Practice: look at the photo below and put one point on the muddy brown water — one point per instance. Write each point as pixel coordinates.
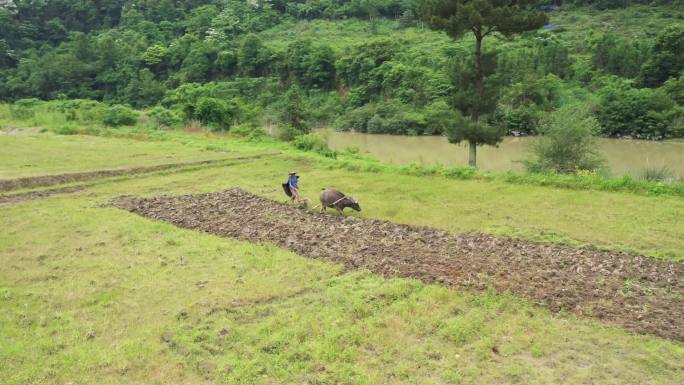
(624, 157)
(641, 294)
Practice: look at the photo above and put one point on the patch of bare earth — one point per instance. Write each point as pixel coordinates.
(27, 196)
(642, 294)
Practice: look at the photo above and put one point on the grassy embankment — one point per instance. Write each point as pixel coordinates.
(93, 294)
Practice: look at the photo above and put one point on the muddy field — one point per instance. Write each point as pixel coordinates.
(49, 180)
(641, 294)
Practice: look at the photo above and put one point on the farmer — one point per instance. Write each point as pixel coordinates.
(293, 184)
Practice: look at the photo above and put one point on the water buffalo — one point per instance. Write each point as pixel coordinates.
(337, 200)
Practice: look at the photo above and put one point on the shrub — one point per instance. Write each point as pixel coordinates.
(312, 142)
(163, 117)
(80, 109)
(213, 112)
(675, 88)
(568, 142)
(657, 174)
(638, 113)
(248, 131)
(119, 115)
(356, 119)
(24, 108)
(389, 117)
(287, 133)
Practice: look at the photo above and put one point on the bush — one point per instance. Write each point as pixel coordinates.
(287, 133)
(636, 113)
(163, 117)
(248, 131)
(568, 142)
(213, 112)
(389, 117)
(356, 119)
(657, 174)
(119, 115)
(312, 142)
(81, 109)
(75, 130)
(24, 108)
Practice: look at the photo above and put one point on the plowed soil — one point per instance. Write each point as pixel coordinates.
(641, 294)
(48, 180)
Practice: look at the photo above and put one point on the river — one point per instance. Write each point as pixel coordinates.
(623, 156)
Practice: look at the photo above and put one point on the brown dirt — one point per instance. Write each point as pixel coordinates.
(642, 294)
(48, 180)
(20, 197)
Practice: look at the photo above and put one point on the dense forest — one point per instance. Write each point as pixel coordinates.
(365, 65)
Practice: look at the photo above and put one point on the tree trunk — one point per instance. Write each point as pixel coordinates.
(472, 159)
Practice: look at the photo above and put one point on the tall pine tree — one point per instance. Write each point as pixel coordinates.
(481, 18)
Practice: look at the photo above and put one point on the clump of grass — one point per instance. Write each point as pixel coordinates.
(657, 174)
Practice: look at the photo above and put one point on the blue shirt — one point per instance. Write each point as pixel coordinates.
(292, 181)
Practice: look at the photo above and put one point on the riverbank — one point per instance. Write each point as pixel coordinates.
(623, 156)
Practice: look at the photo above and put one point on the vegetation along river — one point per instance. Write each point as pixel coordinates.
(623, 156)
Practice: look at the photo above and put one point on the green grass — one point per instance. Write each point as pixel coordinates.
(616, 221)
(92, 294)
(87, 153)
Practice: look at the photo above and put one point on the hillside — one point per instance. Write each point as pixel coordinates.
(373, 68)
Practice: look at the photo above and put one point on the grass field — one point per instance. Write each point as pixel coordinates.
(88, 153)
(92, 294)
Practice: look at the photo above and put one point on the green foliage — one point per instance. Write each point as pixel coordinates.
(541, 55)
(457, 17)
(119, 115)
(620, 56)
(292, 111)
(164, 117)
(394, 117)
(675, 89)
(81, 110)
(344, 56)
(477, 87)
(287, 133)
(476, 91)
(638, 113)
(155, 55)
(568, 142)
(253, 57)
(475, 133)
(309, 65)
(667, 57)
(524, 104)
(23, 109)
(212, 112)
(313, 142)
(248, 131)
(440, 118)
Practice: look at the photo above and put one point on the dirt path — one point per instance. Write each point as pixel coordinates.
(20, 197)
(642, 294)
(48, 180)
